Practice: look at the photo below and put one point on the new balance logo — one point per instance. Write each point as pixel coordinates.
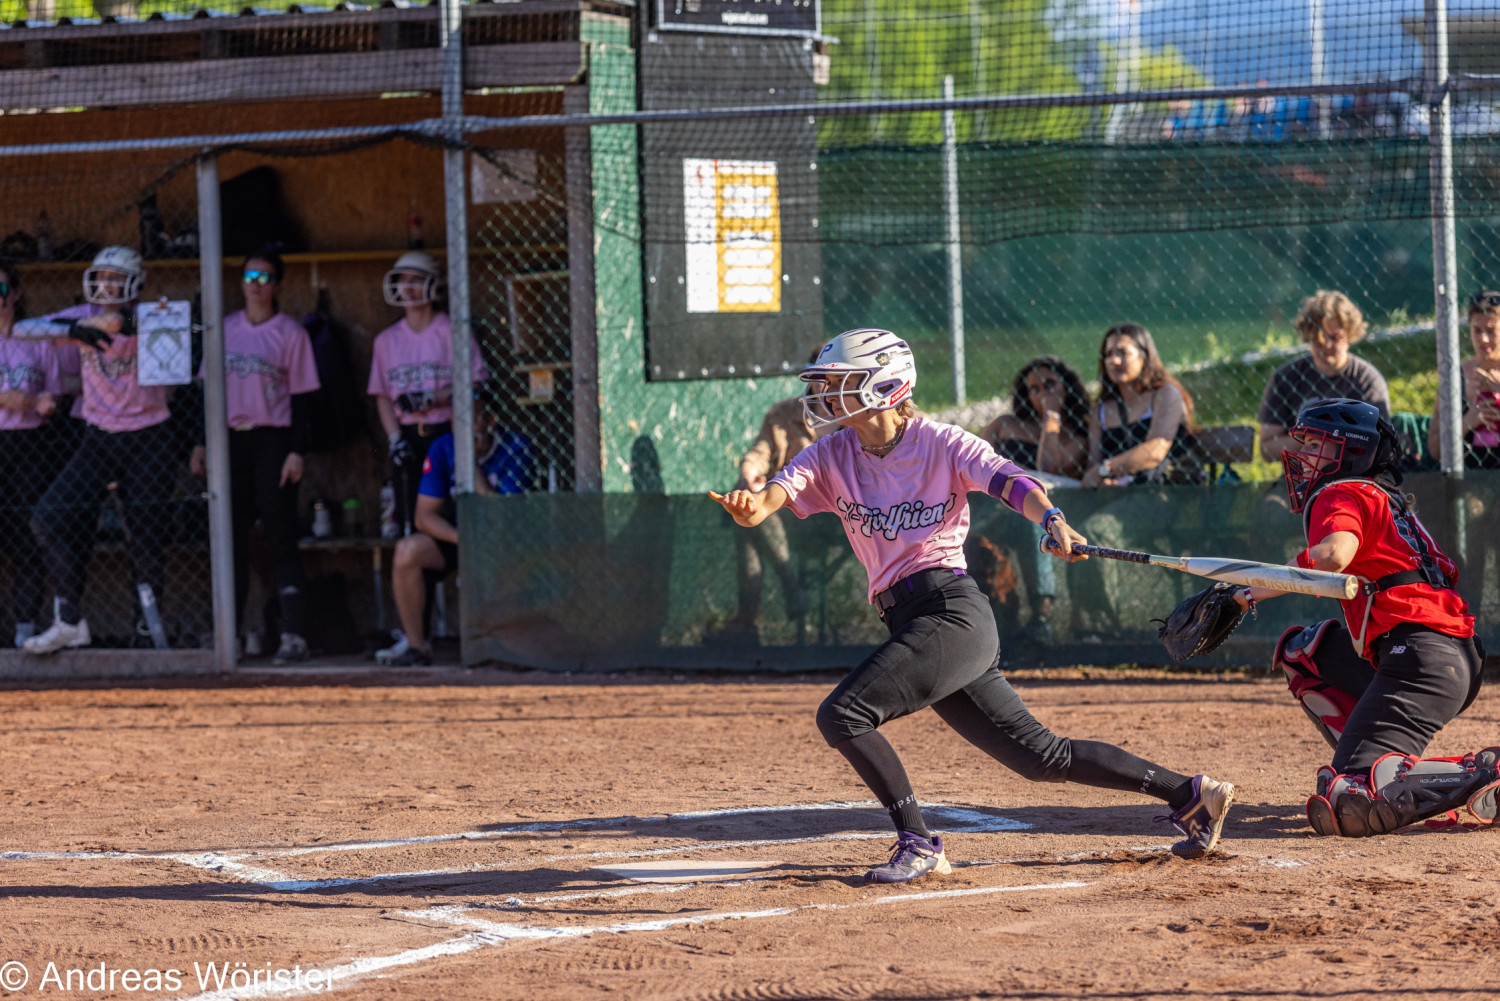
(1399, 649)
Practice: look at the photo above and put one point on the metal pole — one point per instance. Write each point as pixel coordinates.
(216, 412)
(455, 197)
(955, 247)
(1444, 248)
(1319, 67)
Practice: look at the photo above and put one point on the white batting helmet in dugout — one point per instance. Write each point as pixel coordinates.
(413, 281)
(873, 365)
(114, 278)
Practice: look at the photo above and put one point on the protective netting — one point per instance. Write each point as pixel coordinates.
(564, 603)
(640, 291)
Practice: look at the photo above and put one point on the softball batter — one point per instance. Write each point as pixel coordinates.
(900, 483)
(1414, 662)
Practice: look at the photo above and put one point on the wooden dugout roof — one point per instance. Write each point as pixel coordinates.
(258, 56)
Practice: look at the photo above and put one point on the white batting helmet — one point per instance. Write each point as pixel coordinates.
(871, 364)
(413, 281)
(114, 278)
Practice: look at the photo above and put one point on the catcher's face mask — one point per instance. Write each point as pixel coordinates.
(1320, 455)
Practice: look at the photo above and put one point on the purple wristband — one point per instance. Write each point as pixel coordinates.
(1012, 488)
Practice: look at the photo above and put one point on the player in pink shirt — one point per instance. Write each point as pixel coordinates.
(29, 385)
(411, 374)
(268, 365)
(126, 441)
(900, 484)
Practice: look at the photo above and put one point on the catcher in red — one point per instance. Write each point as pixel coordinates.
(1408, 661)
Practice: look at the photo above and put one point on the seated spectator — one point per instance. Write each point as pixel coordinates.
(1047, 428)
(1329, 323)
(784, 433)
(1481, 388)
(503, 465)
(1138, 431)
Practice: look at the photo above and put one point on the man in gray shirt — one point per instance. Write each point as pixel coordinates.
(1328, 323)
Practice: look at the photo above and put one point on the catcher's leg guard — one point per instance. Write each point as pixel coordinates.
(1402, 789)
(1298, 653)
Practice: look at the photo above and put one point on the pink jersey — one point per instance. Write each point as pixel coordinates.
(26, 366)
(112, 398)
(265, 365)
(906, 512)
(408, 361)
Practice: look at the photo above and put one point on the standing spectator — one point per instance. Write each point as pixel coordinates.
(1142, 417)
(1047, 428)
(1481, 382)
(1329, 323)
(268, 365)
(29, 384)
(411, 374)
(504, 465)
(126, 442)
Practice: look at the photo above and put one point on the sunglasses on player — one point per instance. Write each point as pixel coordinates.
(1485, 300)
(258, 278)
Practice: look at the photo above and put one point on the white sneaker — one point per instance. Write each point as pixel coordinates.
(393, 651)
(59, 636)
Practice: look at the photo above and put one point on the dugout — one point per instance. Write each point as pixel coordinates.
(344, 208)
(566, 231)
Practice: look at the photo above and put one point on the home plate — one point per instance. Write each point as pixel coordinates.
(686, 871)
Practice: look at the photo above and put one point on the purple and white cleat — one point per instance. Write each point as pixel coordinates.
(913, 857)
(1202, 819)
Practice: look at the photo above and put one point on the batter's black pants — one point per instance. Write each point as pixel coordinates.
(1425, 679)
(944, 652)
(255, 460)
(406, 477)
(143, 465)
(24, 476)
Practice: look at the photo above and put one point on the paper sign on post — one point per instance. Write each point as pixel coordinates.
(164, 346)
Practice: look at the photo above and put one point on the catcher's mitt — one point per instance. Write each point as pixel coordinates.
(1201, 623)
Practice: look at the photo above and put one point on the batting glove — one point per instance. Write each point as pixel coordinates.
(88, 336)
(400, 450)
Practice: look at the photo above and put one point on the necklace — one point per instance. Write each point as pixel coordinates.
(883, 450)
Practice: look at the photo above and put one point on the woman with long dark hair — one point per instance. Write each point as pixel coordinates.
(1142, 416)
(1047, 428)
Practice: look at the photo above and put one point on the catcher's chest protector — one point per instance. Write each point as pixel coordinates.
(1305, 655)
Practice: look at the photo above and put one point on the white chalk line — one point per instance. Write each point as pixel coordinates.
(491, 933)
(962, 819)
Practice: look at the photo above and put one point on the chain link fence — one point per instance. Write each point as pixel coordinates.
(1199, 169)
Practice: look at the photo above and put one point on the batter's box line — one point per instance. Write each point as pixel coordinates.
(493, 933)
(961, 819)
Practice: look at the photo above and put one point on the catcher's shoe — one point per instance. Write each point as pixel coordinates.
(913, 857)
(1202, 819)
(59, 636)
(1484, 804)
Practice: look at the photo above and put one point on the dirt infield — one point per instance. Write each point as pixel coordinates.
(443, 839)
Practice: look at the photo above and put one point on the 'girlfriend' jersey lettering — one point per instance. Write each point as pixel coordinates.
(23, 377)
(889, 523)
(419, 375)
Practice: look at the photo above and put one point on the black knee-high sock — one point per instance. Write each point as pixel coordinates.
(1109, 767)
(875, 760)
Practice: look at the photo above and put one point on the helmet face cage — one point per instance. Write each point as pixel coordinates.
(824, 387)
(114, 278)
(405, 287)
(873, 366)
(1304, 470)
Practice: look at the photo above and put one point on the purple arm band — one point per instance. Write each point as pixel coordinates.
(1011, 486)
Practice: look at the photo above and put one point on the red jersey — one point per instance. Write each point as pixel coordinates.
(1386, 546)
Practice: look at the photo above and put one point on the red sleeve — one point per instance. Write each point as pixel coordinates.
(1338, 511)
